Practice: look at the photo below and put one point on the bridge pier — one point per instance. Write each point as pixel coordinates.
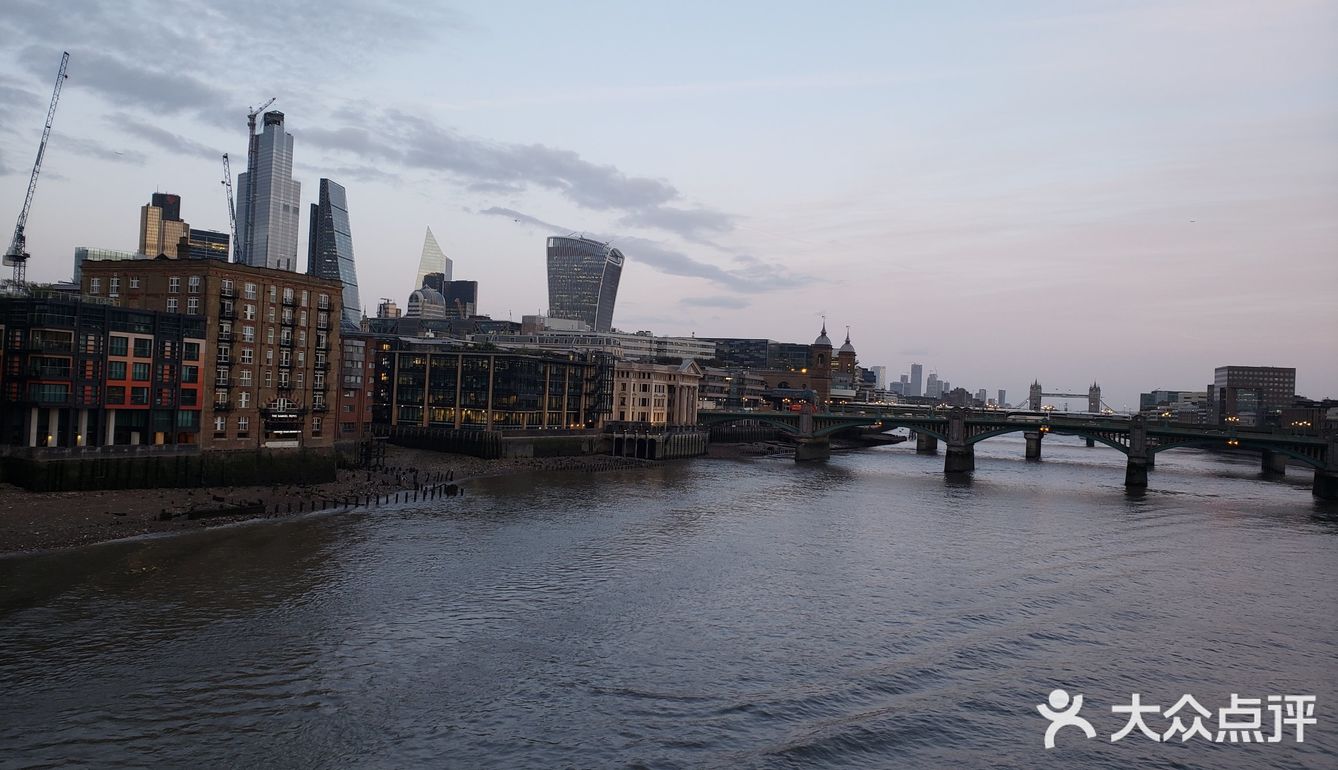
(1326, 485)
(1136, 474)
(960, 458)
(926, 444)
(1033, 438)
(1273, 463)
(812, 450)
(1091, 442)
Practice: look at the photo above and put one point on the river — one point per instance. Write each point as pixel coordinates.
(864, 612)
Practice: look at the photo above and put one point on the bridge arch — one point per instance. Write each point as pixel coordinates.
(885, 424)
(786, 426)
(1028, 429)
(1244, 444)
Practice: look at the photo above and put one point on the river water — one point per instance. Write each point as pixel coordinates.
(757, 613)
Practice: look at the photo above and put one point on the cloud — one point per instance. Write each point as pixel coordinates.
(17, 97)
(733, 303)
(758, 277)
(689, 223)
(163, 139)
(128, 83)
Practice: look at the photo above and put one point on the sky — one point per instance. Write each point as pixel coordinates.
(1131, 193)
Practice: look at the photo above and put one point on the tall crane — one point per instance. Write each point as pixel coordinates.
(252, 160)
(17, 254)
(232, 210)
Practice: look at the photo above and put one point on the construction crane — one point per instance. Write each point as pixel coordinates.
(232, 210)
(17, 254)
(252, 159)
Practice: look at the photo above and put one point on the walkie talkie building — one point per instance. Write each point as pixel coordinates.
(583, 281)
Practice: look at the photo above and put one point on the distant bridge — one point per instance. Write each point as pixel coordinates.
(961, 429)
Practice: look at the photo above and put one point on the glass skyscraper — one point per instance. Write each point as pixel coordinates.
(583, 281)
(271, 240)
(330, 246)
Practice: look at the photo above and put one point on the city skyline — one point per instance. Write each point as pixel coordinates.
(1100, 230)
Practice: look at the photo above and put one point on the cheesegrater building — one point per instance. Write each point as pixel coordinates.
(583, 281)
(330, 247)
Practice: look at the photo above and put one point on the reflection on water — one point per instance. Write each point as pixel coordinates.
(866, 612)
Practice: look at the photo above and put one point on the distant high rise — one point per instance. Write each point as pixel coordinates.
(1002, 400)
(583, 280)
(933, 388)
(271, 240)
(433, 260)
(207, 244)
(160, 226)
(462, 298)
(916, 372)
(980, 395)
(880, 376)
(330, 246)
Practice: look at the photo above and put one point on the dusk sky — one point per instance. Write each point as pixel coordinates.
(1132, 193)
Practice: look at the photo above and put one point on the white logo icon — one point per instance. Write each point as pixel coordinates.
(1063, 712)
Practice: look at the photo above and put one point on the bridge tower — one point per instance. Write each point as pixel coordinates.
(1035, 396)
(820, 367)
(1094, 399)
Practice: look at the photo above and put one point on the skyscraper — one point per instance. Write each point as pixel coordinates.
(207, 244)
(917, 371)
(271, 239)
(160, 226)
(330, 246)
(583, 280)
(933, 388)
(432, 260)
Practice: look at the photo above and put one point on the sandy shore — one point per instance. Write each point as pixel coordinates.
(42, 521)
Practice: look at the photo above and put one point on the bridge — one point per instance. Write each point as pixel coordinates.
(1139, 439)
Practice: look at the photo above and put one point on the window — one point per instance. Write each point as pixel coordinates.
(227, 287)
(189, 396)
(118, 346)
(143, 348)
(269, 335)
(139, 396)
(269, 378)
(249, 312)
(269, 356)
(273, 293)
(140, 373)
(192, 351)
(347, 427)
(190, 374)
(193, 306)
(94, 285)
(116, 371)
(245, 378)
(115, 394)
(302, 318)
(248, 355)
(269, 315)
(316, 426)
(287, 296)
(113, 286)
(134, 282)
(243, 426)
(174, 285)
(193, 284)
(248, 334)
(250, 291)
(244, 399)
(171, 304)
(305, 295)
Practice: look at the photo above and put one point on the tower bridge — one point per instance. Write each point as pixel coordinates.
(1139, 439)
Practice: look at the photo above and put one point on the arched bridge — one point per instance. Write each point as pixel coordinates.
(961, 429)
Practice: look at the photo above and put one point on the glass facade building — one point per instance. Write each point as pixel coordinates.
(208, 244)
(270, 240)
(330, 247)
(583, 280)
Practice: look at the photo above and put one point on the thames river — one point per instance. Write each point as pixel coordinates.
(862, 613)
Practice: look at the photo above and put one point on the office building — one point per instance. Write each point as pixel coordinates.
(879, 376)
(330, 247)
(267, 225)
(272, 339)
(642, 346)
(462, 299)
(444, 383)
(1251, 395)
(432, 260)
(1002, 397)
(83, 254)
(161, 230)
(916, 372)
(583, 280)
(933, 388)
(208, 244)
(656, 395)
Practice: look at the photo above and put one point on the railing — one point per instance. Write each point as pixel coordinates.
(222, 406)
(290, 301)
(227, 291)
(225, 336)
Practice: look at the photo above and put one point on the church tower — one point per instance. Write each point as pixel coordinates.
(845, 363)
(820, 367)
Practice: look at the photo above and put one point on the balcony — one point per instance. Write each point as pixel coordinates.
(289, 302)
(285, 342)
(285, 364)
(228, 313)
(285, 385)
(287, 321)
(320, 406)
(225, 336)
(227, 291)
(224, 384)
(222, 406)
